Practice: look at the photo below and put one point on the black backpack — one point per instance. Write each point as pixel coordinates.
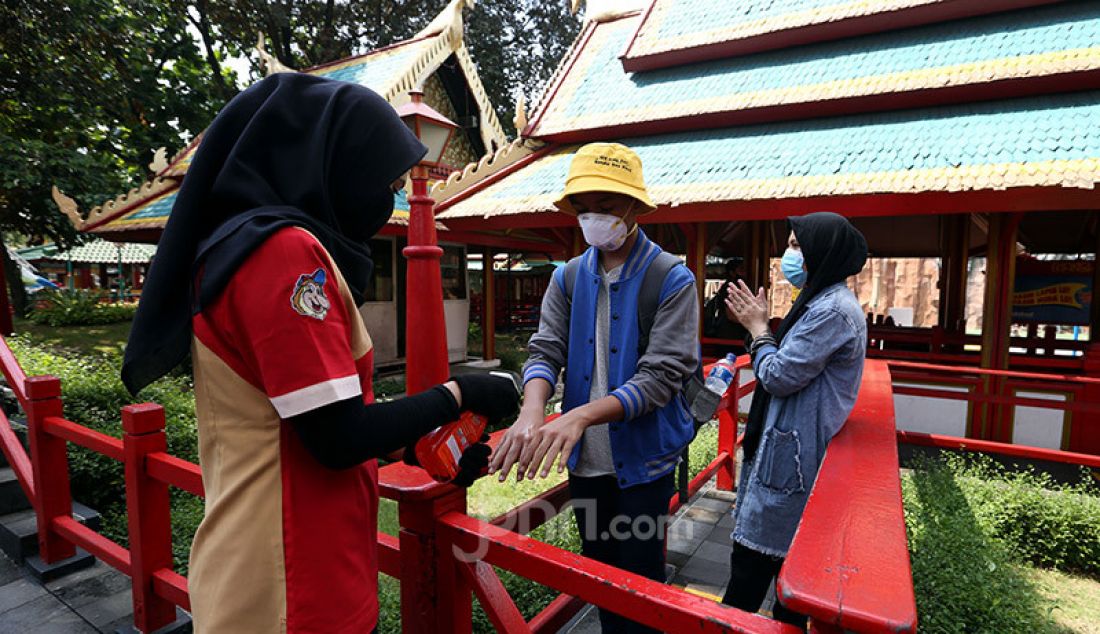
(701, 402)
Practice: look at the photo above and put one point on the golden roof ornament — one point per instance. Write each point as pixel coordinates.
(520, 118)
(607, 10)
(160, 160)
(68, 207)
(268, 62)
(449, 19)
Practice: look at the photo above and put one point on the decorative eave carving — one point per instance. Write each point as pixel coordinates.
(111, 208)
(487, 166)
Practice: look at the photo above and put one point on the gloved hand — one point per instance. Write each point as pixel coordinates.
(493, 396)
(474, 463)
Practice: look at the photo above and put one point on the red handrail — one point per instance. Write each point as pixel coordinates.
(88, 438)
(1005, 449)
(649, 602)
(1014, 374)
(17, 458)
(848, 565)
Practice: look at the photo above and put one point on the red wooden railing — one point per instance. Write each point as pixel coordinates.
(847, 569)
(995, 396)
(936, 345)
(429, 555)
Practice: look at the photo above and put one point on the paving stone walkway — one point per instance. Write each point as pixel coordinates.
(96, 599)
(698, 553)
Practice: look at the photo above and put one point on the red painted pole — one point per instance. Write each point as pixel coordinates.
(148, 514)
(727, 436)
(489, 306)
(50, 463)
(425, 325)
(434, 595)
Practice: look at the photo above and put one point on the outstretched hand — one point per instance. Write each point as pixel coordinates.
(750, 309)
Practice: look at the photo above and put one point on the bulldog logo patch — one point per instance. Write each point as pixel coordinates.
(309, 298)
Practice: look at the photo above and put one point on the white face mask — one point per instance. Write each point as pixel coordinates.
(606, 232)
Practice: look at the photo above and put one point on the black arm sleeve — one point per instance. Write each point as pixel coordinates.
(348, 432)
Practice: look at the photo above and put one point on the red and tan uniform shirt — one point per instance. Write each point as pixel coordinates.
(286, 545)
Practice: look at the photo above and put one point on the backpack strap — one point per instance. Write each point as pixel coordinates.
(569, 278)
(649, 297)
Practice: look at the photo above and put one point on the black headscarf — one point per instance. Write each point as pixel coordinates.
(833, 250)
(291, 150)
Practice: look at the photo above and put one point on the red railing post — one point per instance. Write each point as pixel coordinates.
(148, 514)
(727, 435)
(50, 464)
(435, 597)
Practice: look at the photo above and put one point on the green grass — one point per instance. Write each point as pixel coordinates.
(1075, 599)
(100, 339)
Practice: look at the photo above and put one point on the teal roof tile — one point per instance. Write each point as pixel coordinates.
(683, 17)
(379, 70)
(915, 144)
(598, 93)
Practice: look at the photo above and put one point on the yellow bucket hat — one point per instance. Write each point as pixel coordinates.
(605, 167)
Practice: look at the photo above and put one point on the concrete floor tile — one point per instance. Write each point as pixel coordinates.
(18, 593)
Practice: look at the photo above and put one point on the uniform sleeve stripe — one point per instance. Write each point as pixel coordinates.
(625, 402)
(636, 396)
(630, 399)
(538, 374)
(317, 395)
(542, 365)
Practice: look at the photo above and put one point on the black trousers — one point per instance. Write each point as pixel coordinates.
(751, 573)
(624, 528)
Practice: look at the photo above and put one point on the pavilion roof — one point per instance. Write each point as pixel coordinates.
(1035, 142)
(677, 31)
(952, 110)
(94, 252)
(598, 95)
(153, 214)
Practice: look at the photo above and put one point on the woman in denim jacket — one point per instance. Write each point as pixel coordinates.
(808, 376)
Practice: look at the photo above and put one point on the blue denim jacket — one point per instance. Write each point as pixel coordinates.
(813, 378)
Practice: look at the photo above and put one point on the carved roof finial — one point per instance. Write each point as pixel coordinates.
(449, 19)
(520, 118)
(268, 62)
(68, 207)
(160, 160)
(607, 10)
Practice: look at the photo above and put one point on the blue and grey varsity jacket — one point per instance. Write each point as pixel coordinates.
(656, 427)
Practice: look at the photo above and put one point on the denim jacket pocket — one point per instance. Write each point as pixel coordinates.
(781, 464)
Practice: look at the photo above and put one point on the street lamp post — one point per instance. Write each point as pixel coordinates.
(426, 361)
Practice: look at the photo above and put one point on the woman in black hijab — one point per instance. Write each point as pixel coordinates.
(259, 274)
(808, 376)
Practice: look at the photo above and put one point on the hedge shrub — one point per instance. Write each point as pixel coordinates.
(94, 396)
(972, 528)
(75, 307)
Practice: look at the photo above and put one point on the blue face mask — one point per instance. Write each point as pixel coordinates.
(791, 265)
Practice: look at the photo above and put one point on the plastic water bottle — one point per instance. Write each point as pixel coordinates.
(721, 375)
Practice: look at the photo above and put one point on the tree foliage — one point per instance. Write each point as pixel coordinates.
(88, 89)
(516, 44)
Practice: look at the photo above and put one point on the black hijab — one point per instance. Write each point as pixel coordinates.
(291, 150)
(833, 250)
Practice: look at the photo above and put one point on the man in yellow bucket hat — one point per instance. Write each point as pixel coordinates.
(622, 321)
